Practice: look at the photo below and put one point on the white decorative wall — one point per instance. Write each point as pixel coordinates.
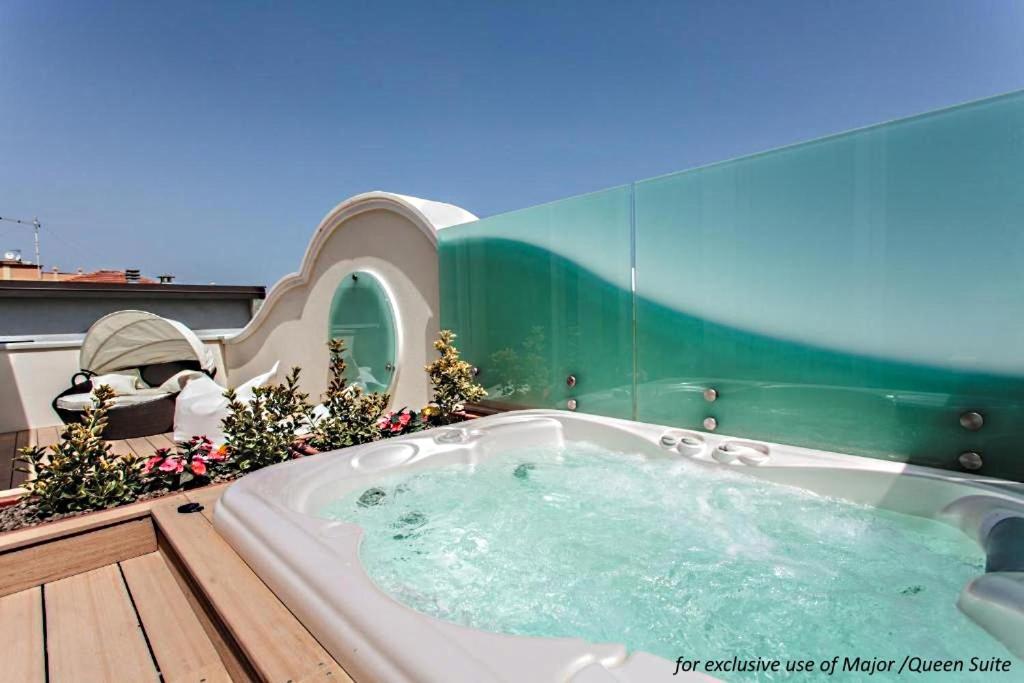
(390, 235)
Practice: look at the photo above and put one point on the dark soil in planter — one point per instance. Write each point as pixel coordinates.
(24, 513)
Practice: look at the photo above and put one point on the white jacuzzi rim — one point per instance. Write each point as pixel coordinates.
(303, 558)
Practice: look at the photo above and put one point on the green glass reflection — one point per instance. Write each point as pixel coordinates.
(361, 315)
(856, 293)
(529, 317)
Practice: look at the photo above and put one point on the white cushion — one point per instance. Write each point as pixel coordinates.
(177, 381)
(122, 381)
(80, 402)
(139, 398)
(75, 401)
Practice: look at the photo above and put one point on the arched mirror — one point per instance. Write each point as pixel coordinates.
(362, 316)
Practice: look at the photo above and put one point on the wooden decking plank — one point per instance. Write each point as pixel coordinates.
(140, 446)
(207, 497)
(182, 649)
(8, 454)
(92, 631)
(48, 436)
(120, 447)
(231, 656)
(273, 640)
(161, 441)
(21, 636)
(32, 565)
(35, 535)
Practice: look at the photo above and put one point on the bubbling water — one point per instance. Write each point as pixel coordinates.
(669, 557)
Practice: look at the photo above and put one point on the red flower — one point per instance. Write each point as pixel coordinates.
(198, 466)
(172, 464)
(152, 462)
(396, 422)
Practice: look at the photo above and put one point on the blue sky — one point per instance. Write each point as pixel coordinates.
(208, 139)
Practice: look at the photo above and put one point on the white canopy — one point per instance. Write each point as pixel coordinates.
(130, 339)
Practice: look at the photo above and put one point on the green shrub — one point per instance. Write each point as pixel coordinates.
(262, 432)
(81, 473)
(452, 379)
(351, 414)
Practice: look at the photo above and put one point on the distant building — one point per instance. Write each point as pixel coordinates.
(32, 308)
(122, 277)
(12, 267)
(54, 302)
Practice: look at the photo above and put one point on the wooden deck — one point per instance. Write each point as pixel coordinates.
(142, 593)
(12, 442)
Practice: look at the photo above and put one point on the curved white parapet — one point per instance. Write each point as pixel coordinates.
(392, 236)
(313, 564)
(425, 215)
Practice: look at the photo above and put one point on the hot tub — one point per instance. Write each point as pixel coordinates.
(751, 506)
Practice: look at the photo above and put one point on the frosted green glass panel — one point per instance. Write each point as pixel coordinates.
(544, 293)
(361, 315)
(856, 293)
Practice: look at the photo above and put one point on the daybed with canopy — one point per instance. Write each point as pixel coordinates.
(146, 360)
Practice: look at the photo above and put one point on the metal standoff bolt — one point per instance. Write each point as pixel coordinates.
(972, 420)
(710, 424)
(571, 404)
(710, 394)
(570, 381)
(970, 460)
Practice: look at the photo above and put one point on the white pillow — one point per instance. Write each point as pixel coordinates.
(122, 382)
(177, 381)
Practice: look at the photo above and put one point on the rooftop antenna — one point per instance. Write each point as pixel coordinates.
(35, 230)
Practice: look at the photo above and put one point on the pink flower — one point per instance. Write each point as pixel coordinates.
(172, 464)
(198, 466)
(383, 422)
(152, 462)
(404, 418)
(219, 453)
